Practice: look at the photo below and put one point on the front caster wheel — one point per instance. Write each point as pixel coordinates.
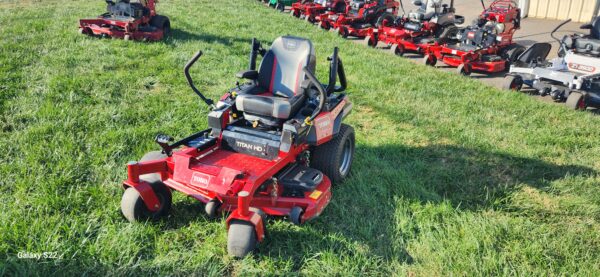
(241, 238)
(512, 82)
(296, 215)
(576, 101)
(134, 209)
(464, 69)
(371, 41)
(212, 207)
(430, 60)
(398, 50)
(342, 32)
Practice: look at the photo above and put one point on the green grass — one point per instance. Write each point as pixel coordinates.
(451, 177)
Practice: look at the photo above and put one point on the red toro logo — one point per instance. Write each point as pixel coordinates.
(471, 35)
(200, 180)
(581, 67)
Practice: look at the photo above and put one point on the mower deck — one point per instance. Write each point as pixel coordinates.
(116, 28)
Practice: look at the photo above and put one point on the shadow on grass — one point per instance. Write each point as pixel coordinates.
(181, 35)
(364, 212)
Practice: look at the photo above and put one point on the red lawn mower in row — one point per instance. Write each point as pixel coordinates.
(310, 10)
(487, 45)
(360, 16)
(274, 147)
(127, 19)
(432, 24)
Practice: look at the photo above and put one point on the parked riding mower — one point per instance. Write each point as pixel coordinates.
(573, 76)
(310, 10)
(433, 23)
(128, 20)
(360, 16)
(281, 4)
(274, 147)
(487, 45)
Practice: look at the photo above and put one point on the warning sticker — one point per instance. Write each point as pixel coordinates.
(315, 194)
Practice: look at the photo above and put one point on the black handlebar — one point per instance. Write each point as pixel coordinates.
(561, 45)
(322, 94)
(336, 69)
(186, 70)
(558, 27)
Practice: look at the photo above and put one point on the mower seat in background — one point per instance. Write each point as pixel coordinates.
(594, 28)
(278, 94)
(426, 11)
(535, 53)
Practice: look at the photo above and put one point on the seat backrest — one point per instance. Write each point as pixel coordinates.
(536, 52)
(595, 31)
(281, 68)
(427, 10)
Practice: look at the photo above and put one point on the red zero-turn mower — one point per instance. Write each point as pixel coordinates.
(310, 10)
(432, 24)
(274, 147)
(136, 19)
(360, 16)
(486, 46)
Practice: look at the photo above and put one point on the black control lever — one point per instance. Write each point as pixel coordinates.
(186, 70)
(163, 141)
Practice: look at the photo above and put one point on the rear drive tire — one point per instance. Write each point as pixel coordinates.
(334, 158)
(445, 33)
(512, 82)
(576, 101)
(512, 53)
(280, 7)
(390, 19)
(241, 238)
(162, 22)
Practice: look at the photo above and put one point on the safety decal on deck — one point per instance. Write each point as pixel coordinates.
(315, 194)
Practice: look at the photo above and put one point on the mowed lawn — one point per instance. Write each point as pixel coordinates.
(450, 177)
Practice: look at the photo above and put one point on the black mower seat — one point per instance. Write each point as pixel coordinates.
(278, 94)
(535, 53)
(426, 11)
(594, 28)
(588, 44)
